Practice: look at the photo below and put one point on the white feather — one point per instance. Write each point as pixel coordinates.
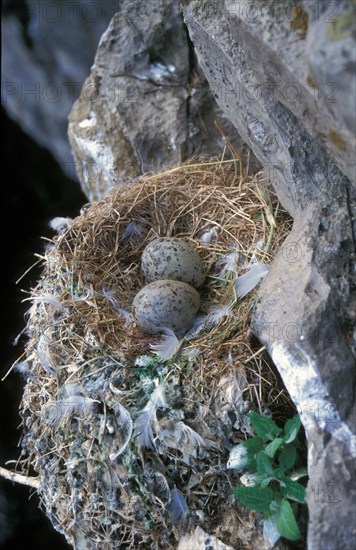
(47, 299)
(23, 368)
(197, 326)
(247, 282)
(162, 487)
(228, 262)
(189, 441)
(190, 435)
(179, 436)
(123, 430)
(217, 313)
(60, 224)
(147, 417)
(168, 346)
(44, 355)
(178, 508)
(206, 236)
(212, 319)
(69, 403)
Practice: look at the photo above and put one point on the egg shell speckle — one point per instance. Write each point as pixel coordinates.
(172, 258)
(165, 304)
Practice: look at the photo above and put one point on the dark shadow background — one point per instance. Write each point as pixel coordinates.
(34, 190)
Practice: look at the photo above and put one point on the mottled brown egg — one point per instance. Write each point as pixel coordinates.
(165, 304)
(172, 258)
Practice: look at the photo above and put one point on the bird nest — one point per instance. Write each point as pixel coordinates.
(129, 433)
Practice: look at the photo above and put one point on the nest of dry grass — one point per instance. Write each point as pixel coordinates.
(93, 377)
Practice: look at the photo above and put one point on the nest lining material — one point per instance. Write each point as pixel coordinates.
(130, 450)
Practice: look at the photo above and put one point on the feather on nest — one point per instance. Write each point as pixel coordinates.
(147, 418)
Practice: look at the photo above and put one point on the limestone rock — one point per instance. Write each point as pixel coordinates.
(253, 56)
(331, 57)
(131, 115)
(49, 49)
(145, 105)
(200, 540)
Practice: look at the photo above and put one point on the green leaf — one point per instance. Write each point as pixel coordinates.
(291, 429)
(279, 473)
(264, 427)
(286, 522)
(272, 447)
(275, 506)
(298, 473)
(264, 465)
(253, 445)
(294, 491)
(266, 481)
(255, 498)
(288, 457)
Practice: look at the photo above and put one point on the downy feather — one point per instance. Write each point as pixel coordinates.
(143, 425)
(47, 299)
(60, 225)
(228, 263)
(179, 436)
(211, 319)
(168, 346)
(197, 326)
(189, 441)
(206, 236)
(178, 508)
(123, 430)
(69, 403)
(247, 282)
(44, 355)
(216, 314)
(162, 487)
(22, 367)
(191, 436)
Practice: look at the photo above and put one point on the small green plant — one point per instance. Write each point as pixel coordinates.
(270, 484)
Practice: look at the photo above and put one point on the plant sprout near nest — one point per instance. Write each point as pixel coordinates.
(126, 435)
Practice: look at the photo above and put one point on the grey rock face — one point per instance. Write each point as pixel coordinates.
(254, 57)
(144, 106)
(200, 540)
(48, 48)
(331, 56)
(140, 74)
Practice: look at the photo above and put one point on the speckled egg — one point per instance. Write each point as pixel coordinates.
(172, 258)
(165, 304)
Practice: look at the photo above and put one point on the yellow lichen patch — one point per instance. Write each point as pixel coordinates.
(311, 83)
(342, 27)
(300, 22)
(337, 140)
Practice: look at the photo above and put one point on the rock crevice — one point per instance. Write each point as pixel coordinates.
(302, 315)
